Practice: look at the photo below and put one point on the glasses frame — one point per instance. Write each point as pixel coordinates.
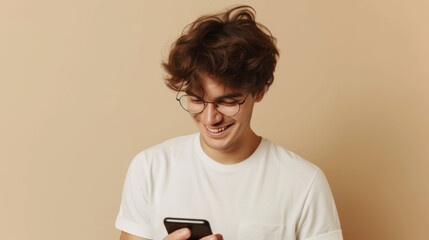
(214, 103)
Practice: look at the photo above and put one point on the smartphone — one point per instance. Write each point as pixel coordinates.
(199, 227)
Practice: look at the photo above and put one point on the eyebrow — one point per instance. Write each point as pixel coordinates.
(230, 95)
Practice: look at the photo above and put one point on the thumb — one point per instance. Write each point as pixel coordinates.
(181, 234)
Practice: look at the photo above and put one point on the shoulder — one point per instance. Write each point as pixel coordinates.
(289, 163)
(295, 173)
(286, 157)
(172, 144)
(165, 151)
(169, 145)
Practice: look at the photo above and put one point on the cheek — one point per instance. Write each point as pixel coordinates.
(195, 118)
(247, 113)
(245, 118)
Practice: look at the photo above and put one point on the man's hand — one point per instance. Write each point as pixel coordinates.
(185, 233)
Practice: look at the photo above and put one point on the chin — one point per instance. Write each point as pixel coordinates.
(216, 144)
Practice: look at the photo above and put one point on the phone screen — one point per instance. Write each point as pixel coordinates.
(199, 227)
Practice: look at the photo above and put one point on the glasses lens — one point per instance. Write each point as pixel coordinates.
(227, 106)
(191, 104)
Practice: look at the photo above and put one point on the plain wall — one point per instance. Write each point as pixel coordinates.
(81, 93)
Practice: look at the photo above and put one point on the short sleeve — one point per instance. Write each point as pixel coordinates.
(134, 214)
(319, 219)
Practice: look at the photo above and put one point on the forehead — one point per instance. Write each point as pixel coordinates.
(212, 88)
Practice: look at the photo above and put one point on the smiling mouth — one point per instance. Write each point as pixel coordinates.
(217, 130)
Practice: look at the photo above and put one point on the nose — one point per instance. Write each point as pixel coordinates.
(211, 115)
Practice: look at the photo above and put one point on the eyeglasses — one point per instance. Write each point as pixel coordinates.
(226, 106)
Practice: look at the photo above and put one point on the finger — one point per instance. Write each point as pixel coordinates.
(181, 234)
(219, 236)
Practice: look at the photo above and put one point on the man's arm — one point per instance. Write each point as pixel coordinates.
(181, 234)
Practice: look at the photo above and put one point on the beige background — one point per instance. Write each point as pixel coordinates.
(81, 93)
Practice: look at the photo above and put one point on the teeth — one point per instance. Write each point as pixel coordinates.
(216, 130)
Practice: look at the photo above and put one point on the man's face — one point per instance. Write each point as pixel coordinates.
(224, 133)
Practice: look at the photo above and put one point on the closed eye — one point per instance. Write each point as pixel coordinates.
(196, 100)
(226, 102)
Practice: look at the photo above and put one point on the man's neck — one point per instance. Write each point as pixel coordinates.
(240, 152)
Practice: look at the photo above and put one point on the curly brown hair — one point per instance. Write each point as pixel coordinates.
(230, 47)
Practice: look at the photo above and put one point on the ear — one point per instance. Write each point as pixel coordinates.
(259, 96)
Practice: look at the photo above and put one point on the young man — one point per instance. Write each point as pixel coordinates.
(245, 186)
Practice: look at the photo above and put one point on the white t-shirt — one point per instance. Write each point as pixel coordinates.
(274, 194)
